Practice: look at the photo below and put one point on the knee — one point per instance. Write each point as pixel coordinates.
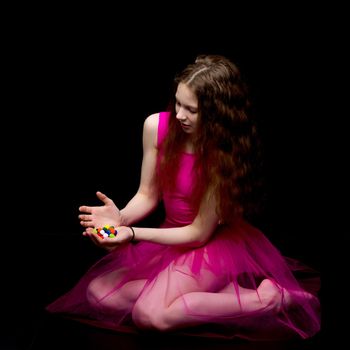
(93, 293)
(100, 297)
(146, 316)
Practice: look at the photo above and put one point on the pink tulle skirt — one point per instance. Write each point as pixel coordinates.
(237, 285)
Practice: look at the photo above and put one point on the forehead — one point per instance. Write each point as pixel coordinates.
(185, 95)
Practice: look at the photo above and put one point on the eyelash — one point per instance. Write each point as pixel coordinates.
(190, 110)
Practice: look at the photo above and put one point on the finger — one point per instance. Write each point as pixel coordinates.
(89, 230)
(86, 234)
(87, 223)
(85, 209)
(85, 217)
(101, 196)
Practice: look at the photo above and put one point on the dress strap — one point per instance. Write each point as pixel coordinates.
(162, 127)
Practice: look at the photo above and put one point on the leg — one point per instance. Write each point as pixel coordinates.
(177, 299)
(227, 303)
(101, 292)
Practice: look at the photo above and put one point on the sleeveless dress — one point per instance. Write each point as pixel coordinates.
(239, 257)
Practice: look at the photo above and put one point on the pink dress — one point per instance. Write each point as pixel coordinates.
(232, 263)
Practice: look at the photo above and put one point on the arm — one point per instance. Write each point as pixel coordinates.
(193, 235)
(146, 198)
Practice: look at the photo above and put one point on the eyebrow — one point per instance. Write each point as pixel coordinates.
(185, 105)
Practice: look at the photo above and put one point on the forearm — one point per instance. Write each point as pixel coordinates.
(137, 208)
(188, 235)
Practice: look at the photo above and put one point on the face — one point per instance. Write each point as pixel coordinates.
(186, 108)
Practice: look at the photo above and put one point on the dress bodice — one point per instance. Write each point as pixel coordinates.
(178, 205)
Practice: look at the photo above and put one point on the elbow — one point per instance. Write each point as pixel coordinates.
(200, 239)
(198, 243)
(201, 230)
(154, 204)
(152, 199)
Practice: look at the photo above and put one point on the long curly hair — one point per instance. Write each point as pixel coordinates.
(226, 144)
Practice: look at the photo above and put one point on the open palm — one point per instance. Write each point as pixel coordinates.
(98, 216)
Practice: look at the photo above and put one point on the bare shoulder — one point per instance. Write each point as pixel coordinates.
(150, 128)
(151, 122)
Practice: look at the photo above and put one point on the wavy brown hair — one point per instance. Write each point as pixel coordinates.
(227, 148)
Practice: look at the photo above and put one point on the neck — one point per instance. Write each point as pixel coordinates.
(189, 147)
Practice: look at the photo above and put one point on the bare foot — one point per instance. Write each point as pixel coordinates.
(271, 294)
(276, 297)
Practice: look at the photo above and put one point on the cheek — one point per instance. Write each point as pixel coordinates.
(194, 120)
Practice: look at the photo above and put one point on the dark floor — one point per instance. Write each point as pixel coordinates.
(53, 271)
(53, 333)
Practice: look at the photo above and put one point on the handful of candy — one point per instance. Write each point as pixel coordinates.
(105, 231)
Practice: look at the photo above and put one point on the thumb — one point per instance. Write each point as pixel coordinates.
(101, 196)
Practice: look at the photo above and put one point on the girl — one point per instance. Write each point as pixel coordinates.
(206, 270)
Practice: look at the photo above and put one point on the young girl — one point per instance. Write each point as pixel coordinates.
(206, 270)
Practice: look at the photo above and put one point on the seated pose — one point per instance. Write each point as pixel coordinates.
(206, 269)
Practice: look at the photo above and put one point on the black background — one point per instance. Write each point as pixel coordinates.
(85, 81)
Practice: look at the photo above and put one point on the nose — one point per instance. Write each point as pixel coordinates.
(181, 114)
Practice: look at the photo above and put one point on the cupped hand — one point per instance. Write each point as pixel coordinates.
(124, 235)
(99, 216)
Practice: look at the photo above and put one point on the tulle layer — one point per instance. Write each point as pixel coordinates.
(237, 285)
